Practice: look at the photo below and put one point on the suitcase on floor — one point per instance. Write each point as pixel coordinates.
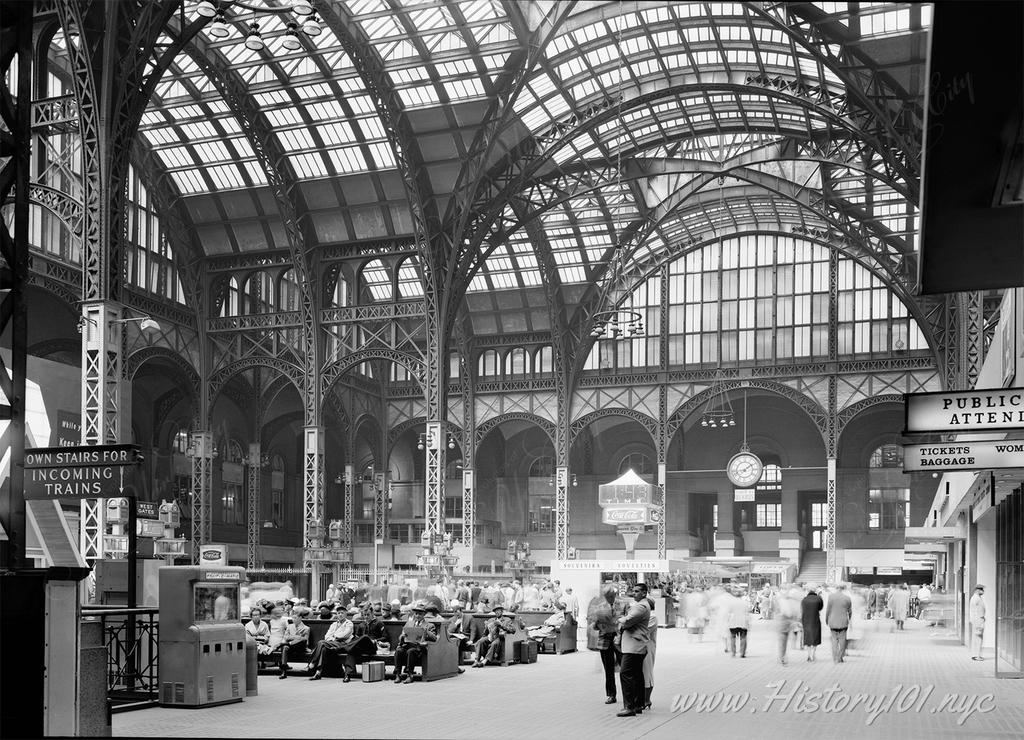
(373, 671)
(526, 651)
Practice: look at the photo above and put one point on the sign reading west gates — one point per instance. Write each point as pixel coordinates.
(94, 471)
(963, 456)
(147, 510)
(965, 411)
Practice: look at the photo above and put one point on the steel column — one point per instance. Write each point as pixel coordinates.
(254, 494)
(562, 512)
(831, 565)
(348, 528)
(102, 334)
(662, 481)
(202, 492)
(312, 494)
(380, 508)
(435, 447)
(468, 508)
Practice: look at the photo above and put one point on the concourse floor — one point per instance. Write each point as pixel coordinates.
(918, 683)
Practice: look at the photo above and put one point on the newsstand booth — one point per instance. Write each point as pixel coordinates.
(202, 639)
(588, 576)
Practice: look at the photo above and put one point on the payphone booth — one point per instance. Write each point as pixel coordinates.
(202, 639)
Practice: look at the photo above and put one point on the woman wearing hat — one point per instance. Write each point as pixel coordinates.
(810, 620)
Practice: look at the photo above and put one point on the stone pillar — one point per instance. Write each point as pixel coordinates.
(789, 537)
(725, 537)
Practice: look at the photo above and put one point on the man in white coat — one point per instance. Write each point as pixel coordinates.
(977, 610)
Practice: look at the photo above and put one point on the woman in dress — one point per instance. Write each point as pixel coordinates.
(652, 645)
(810, 619)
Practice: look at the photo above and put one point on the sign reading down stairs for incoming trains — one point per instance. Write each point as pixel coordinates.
(95, 471)
(984, 410)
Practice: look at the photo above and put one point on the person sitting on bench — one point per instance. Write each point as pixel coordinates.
(340, 640)
(281, 632)
(551, 625)
(416, 633)
(296, 640)
(257, 629)
(494, 630)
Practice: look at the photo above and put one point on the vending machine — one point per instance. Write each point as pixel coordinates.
(202, 640)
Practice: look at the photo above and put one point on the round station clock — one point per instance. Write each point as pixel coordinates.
(744, 469)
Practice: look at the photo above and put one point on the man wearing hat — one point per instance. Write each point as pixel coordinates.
(494, 629)
(977, 609)
(339, 640)
(416, 633)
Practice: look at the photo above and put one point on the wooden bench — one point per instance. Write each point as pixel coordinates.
(508, 645)
(564, 641)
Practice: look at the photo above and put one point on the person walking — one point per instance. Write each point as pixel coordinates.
(810, 619)
(977, 612)
(899, 605)
(737, 613)
(634, 634)
(837, 617)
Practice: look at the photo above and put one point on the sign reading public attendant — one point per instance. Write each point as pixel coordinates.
(965, 411)
(94, 471)
(963, 456)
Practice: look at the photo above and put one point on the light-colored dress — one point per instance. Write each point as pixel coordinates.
(652, 646)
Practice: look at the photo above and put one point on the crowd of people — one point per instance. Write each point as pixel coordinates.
(358, 611)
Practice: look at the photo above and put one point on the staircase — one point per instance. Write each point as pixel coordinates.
(812, 567)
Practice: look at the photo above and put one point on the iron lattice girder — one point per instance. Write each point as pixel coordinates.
(284, 185)
(891, 115)
(545, 23)
(510, 178)
(372, 312)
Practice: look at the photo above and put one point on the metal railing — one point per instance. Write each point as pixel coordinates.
(132, 640)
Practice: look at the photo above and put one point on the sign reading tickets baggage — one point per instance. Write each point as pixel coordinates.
(965, 411)
(963, 456)
(93, 471)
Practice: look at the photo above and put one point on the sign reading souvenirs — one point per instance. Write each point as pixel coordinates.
(965, 411)
(963, 456)
(96, 471)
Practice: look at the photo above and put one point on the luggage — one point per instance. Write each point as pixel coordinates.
(526, 651)
(373, 671)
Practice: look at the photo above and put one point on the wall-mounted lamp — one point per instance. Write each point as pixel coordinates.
(146, 323)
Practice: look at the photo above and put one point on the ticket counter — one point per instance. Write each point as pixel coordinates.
(202, 639)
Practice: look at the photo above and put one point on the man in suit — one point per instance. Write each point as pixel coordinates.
(412, 645)
(489, 646)
(634, 636)
(837, 616)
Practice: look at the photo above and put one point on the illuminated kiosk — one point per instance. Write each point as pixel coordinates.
(202, 639)
(628, 503)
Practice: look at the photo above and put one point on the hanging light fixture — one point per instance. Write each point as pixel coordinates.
(291, 40)
(311, 26)
(219, 28)
(718, 412)
(206, 9)
(618, 323)
(254, 39)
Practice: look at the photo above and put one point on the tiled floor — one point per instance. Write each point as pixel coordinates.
(905, 677)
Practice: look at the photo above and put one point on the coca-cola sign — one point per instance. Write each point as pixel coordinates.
(614, 516)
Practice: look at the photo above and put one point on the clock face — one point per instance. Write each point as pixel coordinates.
(744, 469)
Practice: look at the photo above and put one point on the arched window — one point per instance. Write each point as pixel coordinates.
(339, 298)
(771, 478)
(887, 456)
(454, 369)
(410, 280)
(543, 360)
(234, 453)
(488, 364)
(516, 362)
(639, 462)
(180, 441)
(232, 299)
(376, 278)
